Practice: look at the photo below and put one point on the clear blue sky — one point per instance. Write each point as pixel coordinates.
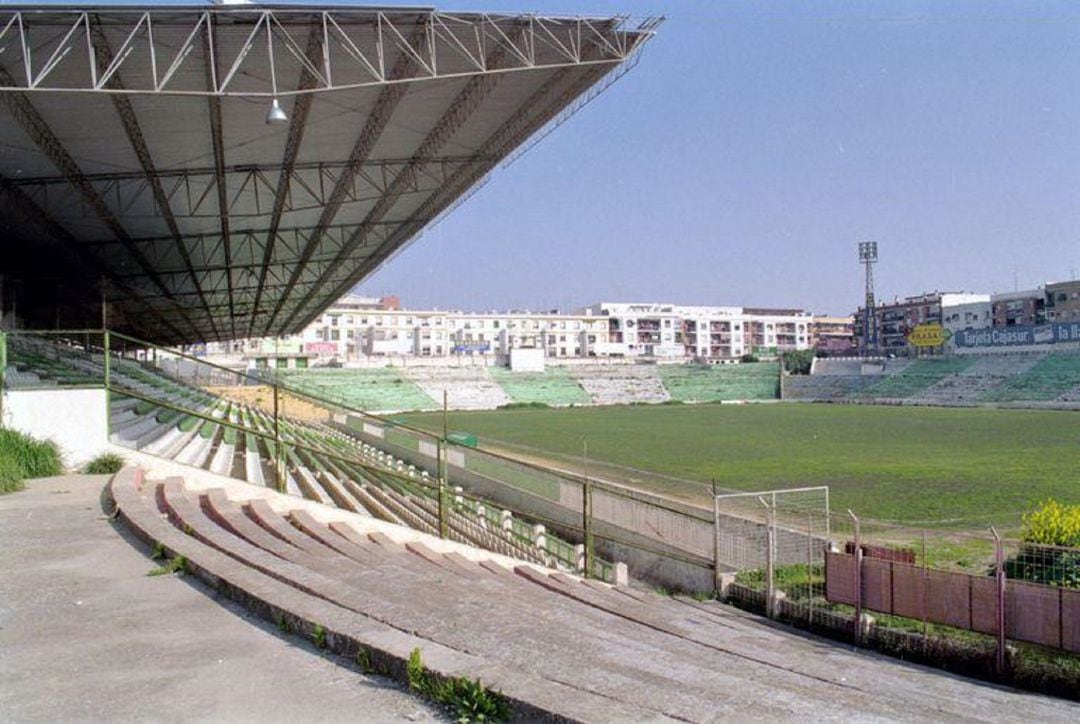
(756, 143)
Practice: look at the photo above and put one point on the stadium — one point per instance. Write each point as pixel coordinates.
(584, 527)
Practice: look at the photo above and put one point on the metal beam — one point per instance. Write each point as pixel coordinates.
(246, 169)
(124, 109)
(297, 126)
(518, 128)
(376, 123)
(159, 43)
(218, 145)
(458, 113)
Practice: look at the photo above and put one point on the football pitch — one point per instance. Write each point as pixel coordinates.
(949, 467)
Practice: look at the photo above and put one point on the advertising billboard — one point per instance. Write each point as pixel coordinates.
(1018, 336)
(322, 349)
(928, 335)
(471, 347)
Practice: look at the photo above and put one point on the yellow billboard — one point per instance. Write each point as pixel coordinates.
(928, 335)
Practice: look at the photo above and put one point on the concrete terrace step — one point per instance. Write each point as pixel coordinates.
(549, 641)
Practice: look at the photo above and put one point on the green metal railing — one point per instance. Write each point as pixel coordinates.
(171, 380)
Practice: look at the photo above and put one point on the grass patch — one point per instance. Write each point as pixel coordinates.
(11, 479)
(467, 700)
(104, 464)
(178, 564)
(22, 457)
(954, 468)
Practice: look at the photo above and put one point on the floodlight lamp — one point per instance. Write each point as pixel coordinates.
(867, 251)
(276, 114)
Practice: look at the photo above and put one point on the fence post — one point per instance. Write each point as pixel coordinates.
(108, 356)
(443, 450)
(3, 368)
(858, 579)
(279, 454)
(999, 575)
(770, 557)
(443, 453)
(810, 567)
(586, 510)
(717, 583)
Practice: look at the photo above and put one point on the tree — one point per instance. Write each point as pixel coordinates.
(798, 363)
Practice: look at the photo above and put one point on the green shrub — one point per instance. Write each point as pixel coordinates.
(798, 363)
(104, 464)
(525, 406)
(1053, 524)
(31, 458)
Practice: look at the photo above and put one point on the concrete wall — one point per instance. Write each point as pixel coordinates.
(75, 419)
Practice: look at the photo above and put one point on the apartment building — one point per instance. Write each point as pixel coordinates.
(1010, 309)
(896, 319)
(834, 336)
(348, 333)
(716, 333)
(1063, 301)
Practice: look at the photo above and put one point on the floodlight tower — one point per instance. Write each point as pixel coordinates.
(868, 257)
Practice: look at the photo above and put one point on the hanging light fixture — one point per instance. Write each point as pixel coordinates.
(276, 114)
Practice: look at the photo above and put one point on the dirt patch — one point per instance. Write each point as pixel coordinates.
(262, 397)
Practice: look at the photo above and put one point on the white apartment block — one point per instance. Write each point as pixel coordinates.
(716, 333)
(961, 311)
(350, 334)
(358, 329)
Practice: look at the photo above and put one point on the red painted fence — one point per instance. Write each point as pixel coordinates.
(1047, 615)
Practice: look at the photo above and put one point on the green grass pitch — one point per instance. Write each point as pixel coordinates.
(957, 468)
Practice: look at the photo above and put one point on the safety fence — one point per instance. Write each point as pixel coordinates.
(989, 604)
(972, 602)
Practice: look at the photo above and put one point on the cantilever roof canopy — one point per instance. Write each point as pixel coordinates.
(143, 155)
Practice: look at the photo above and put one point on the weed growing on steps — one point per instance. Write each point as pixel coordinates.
(468, 700)
(158, 552)
(282, 624)
(319, 636)
(363, 660)
(177, 564)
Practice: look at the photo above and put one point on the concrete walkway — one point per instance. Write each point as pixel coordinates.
(86, 635)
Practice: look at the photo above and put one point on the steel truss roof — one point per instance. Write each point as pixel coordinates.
(135, 160)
